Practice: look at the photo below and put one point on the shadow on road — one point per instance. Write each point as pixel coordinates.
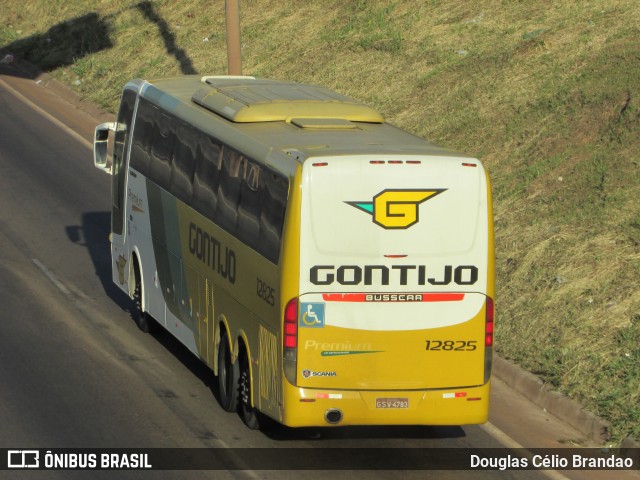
(93, 234)
(281, 433)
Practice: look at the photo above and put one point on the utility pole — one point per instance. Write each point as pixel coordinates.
(234, 64)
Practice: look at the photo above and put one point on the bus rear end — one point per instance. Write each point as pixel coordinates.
(393, 323)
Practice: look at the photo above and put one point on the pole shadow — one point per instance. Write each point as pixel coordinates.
(169, 38)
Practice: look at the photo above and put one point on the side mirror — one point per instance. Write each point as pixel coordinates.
(100, 143)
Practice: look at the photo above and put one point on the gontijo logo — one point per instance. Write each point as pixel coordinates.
(396, 208)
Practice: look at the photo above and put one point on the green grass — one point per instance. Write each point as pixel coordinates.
(546, 94)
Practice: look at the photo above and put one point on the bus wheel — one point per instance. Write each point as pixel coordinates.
(247, 412)
(227, 376)
(144, 322)
(143, 319)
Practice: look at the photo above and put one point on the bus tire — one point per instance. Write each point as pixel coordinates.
(227, 376)
(248, 413)
(143, 320)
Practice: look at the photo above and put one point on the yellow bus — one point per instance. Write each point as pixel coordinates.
(330, 268)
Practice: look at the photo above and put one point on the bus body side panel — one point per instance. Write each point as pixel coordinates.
(205, 278)
(140, 241)
(242, 285)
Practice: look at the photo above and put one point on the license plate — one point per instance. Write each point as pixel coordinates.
(392, 403)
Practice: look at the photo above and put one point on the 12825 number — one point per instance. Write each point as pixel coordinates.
(452, 345)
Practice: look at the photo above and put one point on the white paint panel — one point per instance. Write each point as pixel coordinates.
(398, 316)
(450, 235)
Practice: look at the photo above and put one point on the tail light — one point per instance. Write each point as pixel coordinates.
(488, 339)
(488, 329)
(290, 340)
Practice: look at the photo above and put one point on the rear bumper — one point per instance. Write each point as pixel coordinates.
(306, 407)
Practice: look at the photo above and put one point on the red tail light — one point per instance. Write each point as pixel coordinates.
(488, 329)
(290, 341)
(291, 324)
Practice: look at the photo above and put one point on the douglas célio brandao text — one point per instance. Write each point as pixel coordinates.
(594, 460)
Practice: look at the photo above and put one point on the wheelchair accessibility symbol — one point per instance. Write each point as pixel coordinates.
(312, 315)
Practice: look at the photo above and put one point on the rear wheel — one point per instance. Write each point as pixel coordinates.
(247, 412)
(227, 376)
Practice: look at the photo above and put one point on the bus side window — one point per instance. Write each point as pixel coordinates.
(233, 167)
(183, 162)
(207, 176)
(272, 215)
(250, 205)
(120, 145)
(161, 147)
(142, 136)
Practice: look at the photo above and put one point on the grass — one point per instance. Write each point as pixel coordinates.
(546, 94)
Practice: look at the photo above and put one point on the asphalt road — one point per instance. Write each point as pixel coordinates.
(74, 369)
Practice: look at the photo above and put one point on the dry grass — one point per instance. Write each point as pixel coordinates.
(546, 93)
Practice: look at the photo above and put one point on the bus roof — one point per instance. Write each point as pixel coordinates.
(282, 121)
(252, 100)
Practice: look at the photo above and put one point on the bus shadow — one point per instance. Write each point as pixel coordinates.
(278, 432)
(93, 234)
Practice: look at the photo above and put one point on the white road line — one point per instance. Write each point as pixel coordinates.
(47, 115)
(509, 442)
(51, 277)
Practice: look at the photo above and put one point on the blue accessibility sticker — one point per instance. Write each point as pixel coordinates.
(311, 315)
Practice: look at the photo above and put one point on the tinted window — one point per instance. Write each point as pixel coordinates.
(161, 149)
(233, 167)
(207, 176)
(240, 195)
(143, 137)
(250, 205)
(120, 145)
(183, 162)
(274, 202)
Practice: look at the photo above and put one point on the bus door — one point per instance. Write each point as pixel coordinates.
(118, 237)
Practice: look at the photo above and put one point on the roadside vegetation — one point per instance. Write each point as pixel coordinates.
(547, 94)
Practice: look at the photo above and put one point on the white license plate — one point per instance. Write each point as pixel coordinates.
(392, 403)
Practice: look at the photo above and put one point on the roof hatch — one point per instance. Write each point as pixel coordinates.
(248, 99)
